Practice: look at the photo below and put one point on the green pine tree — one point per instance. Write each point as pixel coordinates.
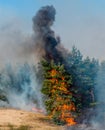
(59, 100)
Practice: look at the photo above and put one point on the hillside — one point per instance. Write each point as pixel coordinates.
(13, 119)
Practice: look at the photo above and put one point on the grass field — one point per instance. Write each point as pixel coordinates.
(12, 119)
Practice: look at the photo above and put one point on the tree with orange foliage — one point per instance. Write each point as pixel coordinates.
(59, 99)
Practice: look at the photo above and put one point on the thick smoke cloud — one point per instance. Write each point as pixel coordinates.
(19, 47)
(20, 91)
(20, 85)
(45, 41)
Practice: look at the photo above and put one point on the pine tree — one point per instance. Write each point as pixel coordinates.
(83, 73)
(59, 100)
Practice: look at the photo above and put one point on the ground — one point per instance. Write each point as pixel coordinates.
(11, 119)
(14, 119)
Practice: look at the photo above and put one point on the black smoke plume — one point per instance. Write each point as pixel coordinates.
(19, 85)
(45, 41)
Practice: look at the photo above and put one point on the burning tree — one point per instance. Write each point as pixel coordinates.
(65, 97)
(59, 100)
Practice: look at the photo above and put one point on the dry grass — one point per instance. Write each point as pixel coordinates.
(12, 119)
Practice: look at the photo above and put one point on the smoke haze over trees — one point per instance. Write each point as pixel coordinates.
(20, 86)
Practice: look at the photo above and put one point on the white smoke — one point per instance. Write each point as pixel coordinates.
(94, 126)
(21, 88)
(20, 85)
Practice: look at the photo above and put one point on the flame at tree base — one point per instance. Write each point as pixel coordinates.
(64, 107)
(70, 121)
(67, 115)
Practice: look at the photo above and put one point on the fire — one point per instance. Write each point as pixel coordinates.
(65, 107)
(38, 110)
(66, 114)
(53, 72)
(70, 121)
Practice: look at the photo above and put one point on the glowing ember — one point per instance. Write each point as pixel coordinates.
(37, 110)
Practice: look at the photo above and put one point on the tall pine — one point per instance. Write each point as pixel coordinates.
(59, 100)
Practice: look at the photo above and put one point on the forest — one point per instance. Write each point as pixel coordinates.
(65, 85)
(67, 91)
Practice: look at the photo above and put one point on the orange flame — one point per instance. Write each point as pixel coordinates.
(66, 114)
(65, 108)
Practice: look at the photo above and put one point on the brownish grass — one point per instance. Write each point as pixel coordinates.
(12, 119)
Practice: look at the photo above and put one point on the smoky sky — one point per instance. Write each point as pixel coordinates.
(84, 30)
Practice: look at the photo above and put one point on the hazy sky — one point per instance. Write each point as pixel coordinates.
(78, 22)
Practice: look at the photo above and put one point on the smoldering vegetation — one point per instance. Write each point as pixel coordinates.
(85, 72)
(20, 85)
